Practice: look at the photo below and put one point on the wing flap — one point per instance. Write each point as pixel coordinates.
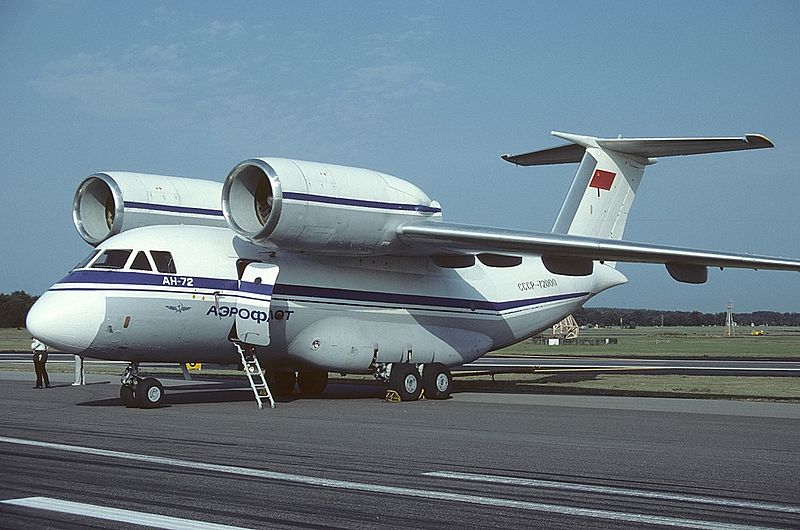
(438, 238)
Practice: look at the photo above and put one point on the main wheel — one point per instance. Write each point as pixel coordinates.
(149, 393)
(406, 381)
(312, 382)
(437, 381)
(127, 396)
(282, 383)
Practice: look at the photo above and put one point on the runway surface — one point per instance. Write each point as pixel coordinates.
(72, 457)
(621, 364)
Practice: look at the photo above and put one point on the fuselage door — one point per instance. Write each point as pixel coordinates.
(255, 295)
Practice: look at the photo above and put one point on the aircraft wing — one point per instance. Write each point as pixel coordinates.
(444, 238)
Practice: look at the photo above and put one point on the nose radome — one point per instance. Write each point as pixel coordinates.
(67, 320)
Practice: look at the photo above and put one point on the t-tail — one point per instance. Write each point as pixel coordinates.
(610, 171)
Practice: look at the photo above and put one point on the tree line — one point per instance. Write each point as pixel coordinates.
(14, 308)
(608, 316)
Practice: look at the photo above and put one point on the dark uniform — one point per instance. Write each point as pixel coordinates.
(39, 360)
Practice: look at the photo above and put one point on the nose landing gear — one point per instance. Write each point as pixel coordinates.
(135, 391)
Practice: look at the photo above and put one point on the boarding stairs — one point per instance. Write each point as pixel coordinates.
(254, 373)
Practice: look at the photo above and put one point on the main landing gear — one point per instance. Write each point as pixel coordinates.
(136, 391)
(406, 380)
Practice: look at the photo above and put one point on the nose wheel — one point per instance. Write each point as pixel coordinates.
(136, 391)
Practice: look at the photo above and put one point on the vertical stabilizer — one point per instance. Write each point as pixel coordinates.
(601, 195)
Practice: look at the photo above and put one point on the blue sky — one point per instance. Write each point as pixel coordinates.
(432, 92)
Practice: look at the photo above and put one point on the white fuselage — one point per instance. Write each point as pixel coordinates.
(332, 313)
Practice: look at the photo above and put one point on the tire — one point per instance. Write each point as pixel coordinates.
(149, 393)
(312, 383)
(406, 381)
(437, 381)
(282, 383)
(127, 396)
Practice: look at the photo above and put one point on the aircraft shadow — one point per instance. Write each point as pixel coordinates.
(233, 392)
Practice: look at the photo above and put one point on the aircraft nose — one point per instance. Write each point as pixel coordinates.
(68, 321)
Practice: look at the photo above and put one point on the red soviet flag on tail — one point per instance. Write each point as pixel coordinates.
(602, 180)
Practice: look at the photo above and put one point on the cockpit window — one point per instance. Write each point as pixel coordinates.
(112, 259)
(164, 262)
(88, 259)
(141, 263)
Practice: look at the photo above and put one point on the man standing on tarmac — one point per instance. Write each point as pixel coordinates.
(39, 360)
(80, 372)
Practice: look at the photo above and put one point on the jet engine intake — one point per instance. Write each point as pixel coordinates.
(108, 203)
(321, 208)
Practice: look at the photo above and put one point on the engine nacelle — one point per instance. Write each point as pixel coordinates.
(321, 208)
(111, 202)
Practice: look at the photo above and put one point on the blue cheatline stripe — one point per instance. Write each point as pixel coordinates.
(171, 208)
(129, 280)
(344, 201)
(112, 287)
(256, 288)
(411, 299)
(359, 202)
(132, 278)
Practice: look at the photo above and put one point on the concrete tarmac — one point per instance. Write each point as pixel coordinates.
(73, 457)
(731, 367)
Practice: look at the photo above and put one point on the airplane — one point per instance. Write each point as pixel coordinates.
(313, 268)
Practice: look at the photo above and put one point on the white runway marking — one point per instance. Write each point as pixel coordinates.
(609, 490)
(574, 511)
(115, 514)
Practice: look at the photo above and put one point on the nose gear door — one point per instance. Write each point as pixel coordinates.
(252, 304)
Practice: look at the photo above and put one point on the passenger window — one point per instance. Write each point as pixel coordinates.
(112, 259)
(163, 261)
(141, 263)
(87, 260)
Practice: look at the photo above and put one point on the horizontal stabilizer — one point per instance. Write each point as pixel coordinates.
(655, 147)
(644, 148)
(563, 154)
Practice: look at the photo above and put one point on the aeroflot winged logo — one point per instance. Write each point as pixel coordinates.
(602, 180)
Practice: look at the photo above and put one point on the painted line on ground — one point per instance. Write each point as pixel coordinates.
(477, 364)
(611, 490)
(481, 500)
(117, 515)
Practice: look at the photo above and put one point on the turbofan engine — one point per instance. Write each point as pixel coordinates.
(111, 202)
(321, 208)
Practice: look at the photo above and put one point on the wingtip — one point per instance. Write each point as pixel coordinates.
(579, 139)
(758, 141)
(509, 158)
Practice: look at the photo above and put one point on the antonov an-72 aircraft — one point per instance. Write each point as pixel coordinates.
(311, 268)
